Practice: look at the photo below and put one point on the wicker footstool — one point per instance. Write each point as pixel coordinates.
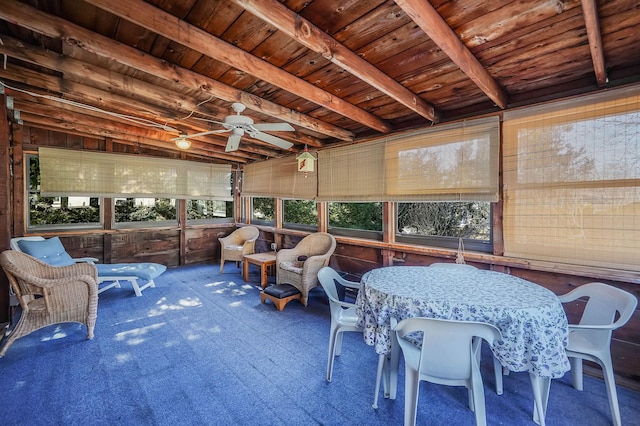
(280, 294)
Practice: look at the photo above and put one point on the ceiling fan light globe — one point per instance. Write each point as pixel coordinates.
(183, 143)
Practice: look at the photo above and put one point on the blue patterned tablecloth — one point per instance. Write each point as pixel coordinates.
(531, 318)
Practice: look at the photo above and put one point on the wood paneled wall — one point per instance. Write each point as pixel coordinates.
(182, 245)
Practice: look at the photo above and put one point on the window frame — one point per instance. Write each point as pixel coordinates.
(28, 191)
(374, 235)
(146, 223)
(215, 220)
(299, 226)
(261, 222)
(484, 246)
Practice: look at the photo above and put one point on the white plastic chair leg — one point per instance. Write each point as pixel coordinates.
(610, 382)
(338, 347)
(478, 402)
(411, 391)
(333, 335)
(576, 373)
(497, 371)
(380, 375)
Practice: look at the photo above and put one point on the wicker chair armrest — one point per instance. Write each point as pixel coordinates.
(249, 246)
(37, 270)
(287, 255)
(314, 263)
(46, 282)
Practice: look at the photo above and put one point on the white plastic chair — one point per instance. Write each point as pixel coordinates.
(343, 314)
(448, 356)
(498, 370)
(590, 339)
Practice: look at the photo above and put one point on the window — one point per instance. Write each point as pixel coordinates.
(209, 211)
(300, 214)
(443, 223)
(263, 211)
(80, 172)
(58, 212)
(362, 220)
(572, 181)
(145, 211)
(452, 162)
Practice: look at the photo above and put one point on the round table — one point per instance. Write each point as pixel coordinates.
(530, 318)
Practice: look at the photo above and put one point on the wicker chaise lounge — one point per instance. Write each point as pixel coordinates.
(110, 275)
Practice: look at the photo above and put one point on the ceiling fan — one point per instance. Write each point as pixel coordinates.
(238, 124)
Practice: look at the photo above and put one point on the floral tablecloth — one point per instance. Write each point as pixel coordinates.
(531, 318)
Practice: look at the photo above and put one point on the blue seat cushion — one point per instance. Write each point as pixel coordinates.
(49, 251)
(144, 271)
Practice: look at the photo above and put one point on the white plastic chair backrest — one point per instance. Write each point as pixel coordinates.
(459, 266)
(328, 277)
(605, 301)
(14, 242)
(447, 346)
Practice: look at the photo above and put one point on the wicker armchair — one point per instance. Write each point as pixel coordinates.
(299, 266)
(235, 245)
(50, 294)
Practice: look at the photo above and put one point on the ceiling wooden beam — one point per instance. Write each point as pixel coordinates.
(77, 71)
(88, 95)
(590, 11)
(430, 21)
(169, 26)
(52, 26)
(303, 31)
(94, 76)
(99, 120)
(62, 120)
(50, 85)
(68, 127)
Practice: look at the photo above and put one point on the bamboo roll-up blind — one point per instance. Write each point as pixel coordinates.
(66, 172)
(572, 181)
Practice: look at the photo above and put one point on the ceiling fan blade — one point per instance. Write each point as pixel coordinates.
(273, 140)
(273, 127)
(233, 143)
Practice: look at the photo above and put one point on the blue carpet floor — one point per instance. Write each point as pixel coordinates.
(200, 349)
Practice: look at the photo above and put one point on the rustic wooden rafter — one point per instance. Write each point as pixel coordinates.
(104, 122)
(53, 26)
(70, 122)
(169, 26)
(303, 31)
(77, 71)
(590, 11)
(427, 18)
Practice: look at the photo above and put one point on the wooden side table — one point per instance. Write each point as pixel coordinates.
(263, 260)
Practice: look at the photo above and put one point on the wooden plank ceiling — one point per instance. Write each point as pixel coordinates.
(339, 71)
